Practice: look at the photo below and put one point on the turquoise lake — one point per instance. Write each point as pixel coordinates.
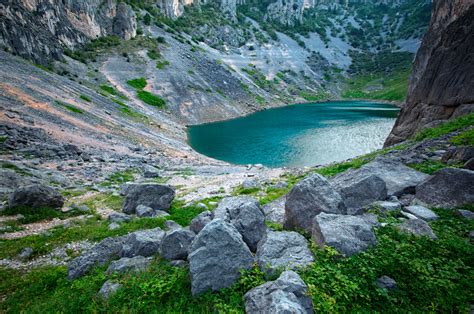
(297, 135)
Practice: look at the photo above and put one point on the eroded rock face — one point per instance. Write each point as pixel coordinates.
(156, 196)
(53, 25)
(218, 254)
(443, 75)
(247, 217)
(287, 294)
(347, 234)
(36, 196)
(447, 188)
(287, 12)
(308, 198)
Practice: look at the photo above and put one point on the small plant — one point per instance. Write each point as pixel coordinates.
(151, 99)
(153, 54)
(162, 64)
(445, 128)
(85, 98)
(138, 83)
(464, 138)
(69, 107)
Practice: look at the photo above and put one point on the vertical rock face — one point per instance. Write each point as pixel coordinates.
(441, 85)
(39, 29)
(286, 12)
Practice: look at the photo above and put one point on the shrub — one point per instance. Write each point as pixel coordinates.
(138, 83)
(151, 99)
(85, 98)
(162, 64)
(69, 107)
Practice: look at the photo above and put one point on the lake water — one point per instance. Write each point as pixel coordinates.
(297, 135)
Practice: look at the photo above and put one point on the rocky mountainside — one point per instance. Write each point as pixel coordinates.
(443, 73)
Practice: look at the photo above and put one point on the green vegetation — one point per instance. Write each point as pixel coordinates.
(162, 64)
(313, 97)
(112, 91)
(447, 127)
(69, 107)
(120, 177)
(7, 165)
(138, 83)
(93, 48)
(153, 54)
(151, 99)
(85, 98)
(431, 166)
(184, 214)
(464, 138)
(38, 214)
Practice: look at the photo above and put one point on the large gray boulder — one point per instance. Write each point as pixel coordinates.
(359, 191)
(283, 249)
(156, 196)
(421, 212)
(287, 294)
(275, 211)
(144, 242)
(247, 217)
(308, 198)
(36, 196)
(399, 179)
(119, 217)
(447, 188)
(218, 254)
(129, 264)
(349, 235)
(109, 288)
(200, 221)
(177, 243)
(100, 254)
(417, 227)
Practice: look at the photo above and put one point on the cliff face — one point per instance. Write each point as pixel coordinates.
(40, 29)
(442, 83)
(286, 12)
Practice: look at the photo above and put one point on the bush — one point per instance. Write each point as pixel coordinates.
(85, 98)
(138, 83)
(151, 99)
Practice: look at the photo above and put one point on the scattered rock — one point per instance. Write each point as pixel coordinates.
(171, 225)
(179, 263)
(109, 288)
(359, 191)
(126, 264)
(447, 188)
(218, 254)
(417, 227)
(114, 226)
(465, 214)
(287, 294)
(307, 199)
(275, 211)
(36, 196)
(387, 206)
(144, 242)
(101, 253)
(408, 215)
(282, 185)
(247, 217)
(421, 212)
(283, 249)
(150, 172)
(25, 253)
(119, 217)
(349, 235)
(156, 196)
(251, 184)
(385, 282)
(177, 243)
(200, 221)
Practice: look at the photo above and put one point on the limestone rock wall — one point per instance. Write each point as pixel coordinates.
(442, 83)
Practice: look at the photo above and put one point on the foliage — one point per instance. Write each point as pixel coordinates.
(85, 98)
(93, 48)
(162, 64)
(183, 215)
(445, 128)
(69, 107)
(120, 177)
(37, 214)
(430, 166)
(138, 83)
(151, 99)
(464, 138)
(112, 91)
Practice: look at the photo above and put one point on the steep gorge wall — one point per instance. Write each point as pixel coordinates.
(40, 29)
(442, 83)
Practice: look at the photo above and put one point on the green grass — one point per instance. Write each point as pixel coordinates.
(260, 100)
(313, 97)
(430, 166)
(7, 165)
(3, 139)
(162, 64)
(120, 177)
(183, 215)
(38, 214)
(112, 91)
(85, 98)
(69, 107)
(464, 138)
(432, 276)
(138, 83)
(153, 54)
(151, 99)
(447, 127)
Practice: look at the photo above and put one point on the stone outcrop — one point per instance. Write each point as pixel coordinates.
(286, 12)
(156, 196)
(36, 196)
(144, 242)
(287, 294)
(39, 30)
(177, 243)
(443, 73)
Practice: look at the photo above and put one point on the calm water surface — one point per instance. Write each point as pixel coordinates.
(297, 135)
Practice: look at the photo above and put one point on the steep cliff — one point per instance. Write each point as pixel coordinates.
(40, 29)
(286, 12)
(442, 83)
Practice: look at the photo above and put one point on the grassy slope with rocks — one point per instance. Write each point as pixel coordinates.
(430, 275)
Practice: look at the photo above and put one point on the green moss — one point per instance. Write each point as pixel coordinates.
(138, 83)
(151, 99)
(85, 98)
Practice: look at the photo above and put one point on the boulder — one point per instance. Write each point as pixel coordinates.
(359, 191)
(126, 264)
(247, 217)
(385, 282)
(114, 226)
(109, 288)
(171, 225)
(417, 227)
(275, 211)
(421, 212)
(150, 172)
(387, 206)
(101, 253)
(283, 249)
(251, 184)
(119, 217)
(144, 211)
(36, 196)
(349, 235)
(399, 179)
(200, 221)
(308, 198)
(287, 294)
(177, 243)
(465, 214)
(469, 164)
(218, 254)
(144, 242)
(156, 196)
(25, 253)
(447, 188)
